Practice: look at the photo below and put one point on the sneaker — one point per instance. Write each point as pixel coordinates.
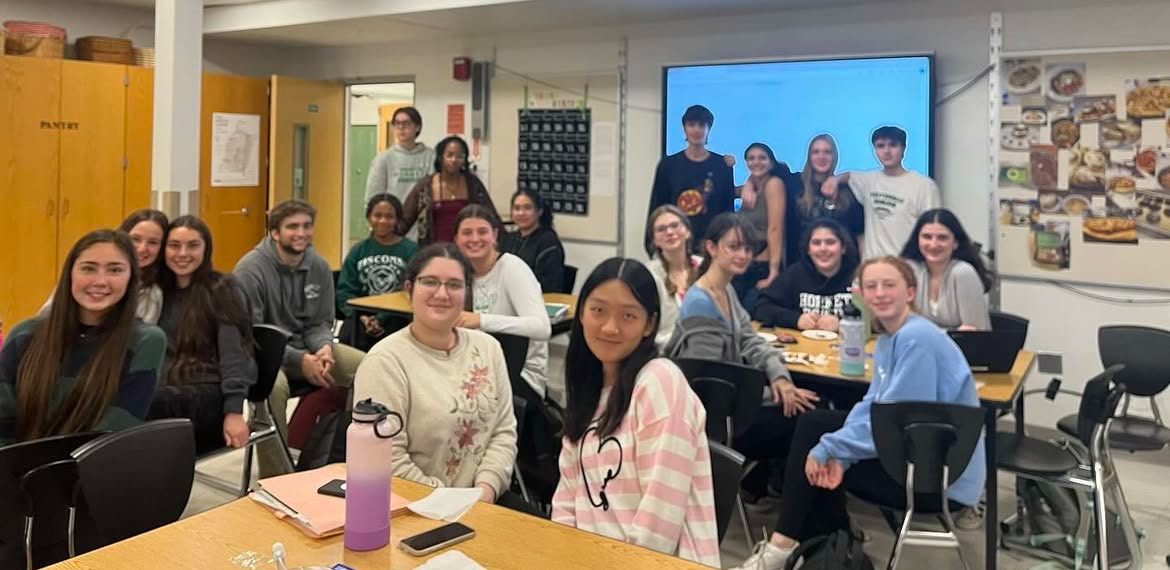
(766, 556)
(970, 518)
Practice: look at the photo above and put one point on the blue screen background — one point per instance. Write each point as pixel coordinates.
(785, 104)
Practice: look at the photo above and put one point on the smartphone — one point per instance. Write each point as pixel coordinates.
(436, 539)
(334, 488)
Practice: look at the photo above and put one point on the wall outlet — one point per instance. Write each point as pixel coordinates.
(1048, 362)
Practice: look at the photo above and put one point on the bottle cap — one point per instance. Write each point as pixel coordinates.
(851, 311)
(368, 411)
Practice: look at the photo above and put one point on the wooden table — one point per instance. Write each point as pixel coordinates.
(504, 539)
(399, 304)
(997, 392)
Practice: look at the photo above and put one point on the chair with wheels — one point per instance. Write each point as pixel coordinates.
(927, 445)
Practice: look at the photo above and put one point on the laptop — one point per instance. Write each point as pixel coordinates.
(989, 351)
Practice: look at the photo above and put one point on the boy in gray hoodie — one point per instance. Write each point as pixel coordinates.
(398, 168)
(290, 286)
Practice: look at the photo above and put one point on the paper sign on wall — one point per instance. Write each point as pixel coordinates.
(235, 150)
(456, 114)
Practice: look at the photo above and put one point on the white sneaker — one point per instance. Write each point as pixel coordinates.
(766, 556)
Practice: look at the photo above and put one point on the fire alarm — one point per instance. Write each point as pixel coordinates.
(462, 68)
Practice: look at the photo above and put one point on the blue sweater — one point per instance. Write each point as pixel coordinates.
(917, 363)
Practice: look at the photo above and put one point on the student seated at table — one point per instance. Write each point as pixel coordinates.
(833, 451)
(374, 266)
(951, 274)
(535, 241)
(210, 364)
(89, 364)
(668, 243)
(813, 293)
(450, 384)
(635, 465)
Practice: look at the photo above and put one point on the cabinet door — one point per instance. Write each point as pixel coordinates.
(139, 137)
(30, 103)
(93, 100)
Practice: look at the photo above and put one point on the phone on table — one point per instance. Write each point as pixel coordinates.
(334, 488)
(436, 539)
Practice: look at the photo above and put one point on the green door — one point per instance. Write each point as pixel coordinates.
(363, 146)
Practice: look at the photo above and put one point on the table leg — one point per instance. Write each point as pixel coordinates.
(991, 490)
(1019, 413)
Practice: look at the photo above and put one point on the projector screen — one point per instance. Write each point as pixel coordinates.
(784, 104)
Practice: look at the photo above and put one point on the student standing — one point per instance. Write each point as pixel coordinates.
(449, 384)
(290, 286)
(89, 363)
(893, 197)
(696, 180)
(833, 451)
(210, 362)
(374, 266)
(535, 241)
(764, 204)
(668, 243)
(635, 464)
(813, 294)
(436, 200)
(807, 204)
(398, 168)
(952, 275)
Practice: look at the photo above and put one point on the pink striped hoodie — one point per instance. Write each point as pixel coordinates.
(649, 483)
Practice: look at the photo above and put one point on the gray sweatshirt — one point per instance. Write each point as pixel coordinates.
(960, 298)
(298, 300)
(396, 170)
(702, 332)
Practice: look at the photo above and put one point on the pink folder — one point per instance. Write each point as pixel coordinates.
(299, 502)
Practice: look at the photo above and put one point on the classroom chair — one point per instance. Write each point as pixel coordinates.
(1008, 322)
(543, 421)
(927, 445)
(727, 469)
(568, 280)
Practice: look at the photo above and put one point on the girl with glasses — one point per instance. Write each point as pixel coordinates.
(668, 243)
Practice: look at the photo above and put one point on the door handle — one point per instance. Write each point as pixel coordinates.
(50, 208)
(240, 212)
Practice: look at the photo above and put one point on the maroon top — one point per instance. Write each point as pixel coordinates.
(444, 218)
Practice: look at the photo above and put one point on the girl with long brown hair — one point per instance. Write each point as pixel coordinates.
(809, 205)
(210, 364)
(88, 363)
(668, 243)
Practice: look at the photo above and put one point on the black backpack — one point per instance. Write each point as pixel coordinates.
(838, 551)
(326, 442)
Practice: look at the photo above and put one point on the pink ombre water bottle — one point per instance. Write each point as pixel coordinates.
(368, 475)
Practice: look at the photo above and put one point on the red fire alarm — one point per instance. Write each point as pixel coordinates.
(462, 68)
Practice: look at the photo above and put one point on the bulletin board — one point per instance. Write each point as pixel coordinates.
(1084, 168)
(596, 220)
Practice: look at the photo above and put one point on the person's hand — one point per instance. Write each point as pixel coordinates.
(829, 188)
(826, 476)
(489, 495)
(828, 323)
(325, 355)
(372, 326)
(748, 194)
(729, 160)
(235, 430)
(794, 400)
(772, 275)
(807, 321)
(468, 320)
(967, 328)
(315, 371)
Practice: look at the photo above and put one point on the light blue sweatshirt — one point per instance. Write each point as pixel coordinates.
(917, 363)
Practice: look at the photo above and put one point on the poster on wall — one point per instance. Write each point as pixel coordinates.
(235, 150)
(554, 157)
(1084, 168)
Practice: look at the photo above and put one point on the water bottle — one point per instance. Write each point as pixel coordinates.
(853, 337)
(368, 475)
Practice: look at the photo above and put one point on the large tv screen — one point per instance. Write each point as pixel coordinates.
(786, 103)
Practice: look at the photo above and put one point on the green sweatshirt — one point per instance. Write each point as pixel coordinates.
(371, 268)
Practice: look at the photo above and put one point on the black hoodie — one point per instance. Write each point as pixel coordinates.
(802, 289)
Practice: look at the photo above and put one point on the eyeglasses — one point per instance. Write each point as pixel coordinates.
(671, 227)
(433, 283)
(402, 124)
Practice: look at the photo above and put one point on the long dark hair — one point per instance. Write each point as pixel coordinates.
(546, 214)
(779, 169)
(446, 250)
(583, 371)
(850, 258)
(442, 147)
(652, 249)
(812, 189)
(212, 299)
(97, 382)
(149, 274)
(722, 225)
(965, 250)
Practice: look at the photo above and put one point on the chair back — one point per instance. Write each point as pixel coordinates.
(520, 409)
(726, 474)
(1008, 322)
(1098, 404)
(1143, 351)
(728, 392)
(49, 532)
(270, 342)
(568, 279)
(138, 479)
(934, 437)
(515, 355)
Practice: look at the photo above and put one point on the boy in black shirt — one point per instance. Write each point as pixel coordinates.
(696, 180)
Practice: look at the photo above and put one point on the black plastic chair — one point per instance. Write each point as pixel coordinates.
(33, 537)
(543, 420)
(138, 479)
(727, 468)
(1008, 322)
(731, 394)
(520, 409)
(1143, 351)
(927, 446)
(568, 279)
(1084, 465)
(515, 355)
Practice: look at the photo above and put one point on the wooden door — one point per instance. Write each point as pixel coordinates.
(139, 137)
(363, 141)
(307, 159)
(30, 107)
(236, 214)
(93, 97)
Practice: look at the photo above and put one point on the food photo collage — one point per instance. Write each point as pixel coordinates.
(1074, 146)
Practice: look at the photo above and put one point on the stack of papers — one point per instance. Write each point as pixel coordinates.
(446, 503)
(294, 498)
